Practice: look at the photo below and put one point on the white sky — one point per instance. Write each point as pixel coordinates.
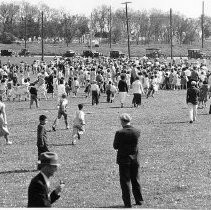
(189, 8)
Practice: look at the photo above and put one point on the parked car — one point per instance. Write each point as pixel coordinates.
(24, 52)
(196, 53)
(90, 53)
(69, 54)
(6, 52)
(154, 53)
(116, 54)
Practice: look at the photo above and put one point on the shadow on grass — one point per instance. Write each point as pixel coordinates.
(60, 145)
(180, 122)
(125, 107)
(115, 206)
(203, 114)
(18, 171)
(48, 109)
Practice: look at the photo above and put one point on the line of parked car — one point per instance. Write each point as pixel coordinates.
(93, 54)
(23, 52)
(150, 53)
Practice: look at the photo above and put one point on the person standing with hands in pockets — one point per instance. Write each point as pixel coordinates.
(126, 143)
(38, 192)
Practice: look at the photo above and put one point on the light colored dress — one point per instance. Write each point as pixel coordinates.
(3, 128)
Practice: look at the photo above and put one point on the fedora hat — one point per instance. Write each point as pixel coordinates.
(48, 158)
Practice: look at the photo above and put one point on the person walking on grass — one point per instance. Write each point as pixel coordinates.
(137, 90)
(123, 89)
(78, 124)
(39, 194)
(95, 90)
(42, 143)
(126, 143)
(192, 100)
(62, 111)
(3, 122)
(33, 95)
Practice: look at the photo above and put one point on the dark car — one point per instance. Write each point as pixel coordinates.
(92, 54)
(69, 54)
(116, 54)
(196, 53)
(154, 53)
(6, 52)
(24, 52)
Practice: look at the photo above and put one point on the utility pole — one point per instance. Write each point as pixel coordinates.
(128, 34)
(42, 38)
(91, 33)
(171, 34)
(202, 26)
(25, 33)
(110, 27)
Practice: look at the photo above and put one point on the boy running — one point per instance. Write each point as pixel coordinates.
(78, 124)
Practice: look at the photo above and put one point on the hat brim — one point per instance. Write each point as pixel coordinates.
(46, 164)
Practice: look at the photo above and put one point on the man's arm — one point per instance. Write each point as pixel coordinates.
(116, 141)
(187, 97)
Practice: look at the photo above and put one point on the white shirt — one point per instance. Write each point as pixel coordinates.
(137, 87)
(61, 89)
(95, 87)
(47, 181)
(79, 118)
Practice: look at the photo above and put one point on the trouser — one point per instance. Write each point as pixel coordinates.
(129, 173)
(95, 97)
(192, 111)
(33, 98)
(108, 93)
(60, 114)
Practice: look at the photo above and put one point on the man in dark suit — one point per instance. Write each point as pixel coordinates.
(38, 191)
(126, 142)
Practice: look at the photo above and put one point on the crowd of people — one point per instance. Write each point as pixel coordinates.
(96, 77)
(99, 76)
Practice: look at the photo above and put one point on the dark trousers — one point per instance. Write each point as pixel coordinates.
(95, 97)
(108, 93)
(129, 174)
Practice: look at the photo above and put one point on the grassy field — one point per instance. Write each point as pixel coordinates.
(175, 155)
(136, 50)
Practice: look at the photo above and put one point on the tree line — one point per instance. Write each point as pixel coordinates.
(21, 20)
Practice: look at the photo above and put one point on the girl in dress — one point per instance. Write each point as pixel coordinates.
(3, 122)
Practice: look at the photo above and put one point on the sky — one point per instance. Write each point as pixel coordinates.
(189, 8)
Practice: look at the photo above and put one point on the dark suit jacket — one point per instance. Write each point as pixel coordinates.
(38, 193)
(42, 143)
(126, 142)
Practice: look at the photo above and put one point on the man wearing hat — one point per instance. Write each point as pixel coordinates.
(38, 191)
(192, 100)
(126, 143)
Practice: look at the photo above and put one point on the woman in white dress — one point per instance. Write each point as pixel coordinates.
(3, 122)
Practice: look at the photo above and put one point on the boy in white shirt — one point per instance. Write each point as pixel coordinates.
(62, 111)
(78, 124)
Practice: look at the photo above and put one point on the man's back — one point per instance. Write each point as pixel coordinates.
(126, 142)
(192, 95)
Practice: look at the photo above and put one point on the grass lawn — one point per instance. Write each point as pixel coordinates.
(175, 155)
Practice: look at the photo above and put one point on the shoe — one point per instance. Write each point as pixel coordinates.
(191, 121)
(53, 128)
(9, 143)
(139, 203)
(128, 206)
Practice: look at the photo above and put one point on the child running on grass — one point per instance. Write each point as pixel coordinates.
(78, 124)
(62, 111)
